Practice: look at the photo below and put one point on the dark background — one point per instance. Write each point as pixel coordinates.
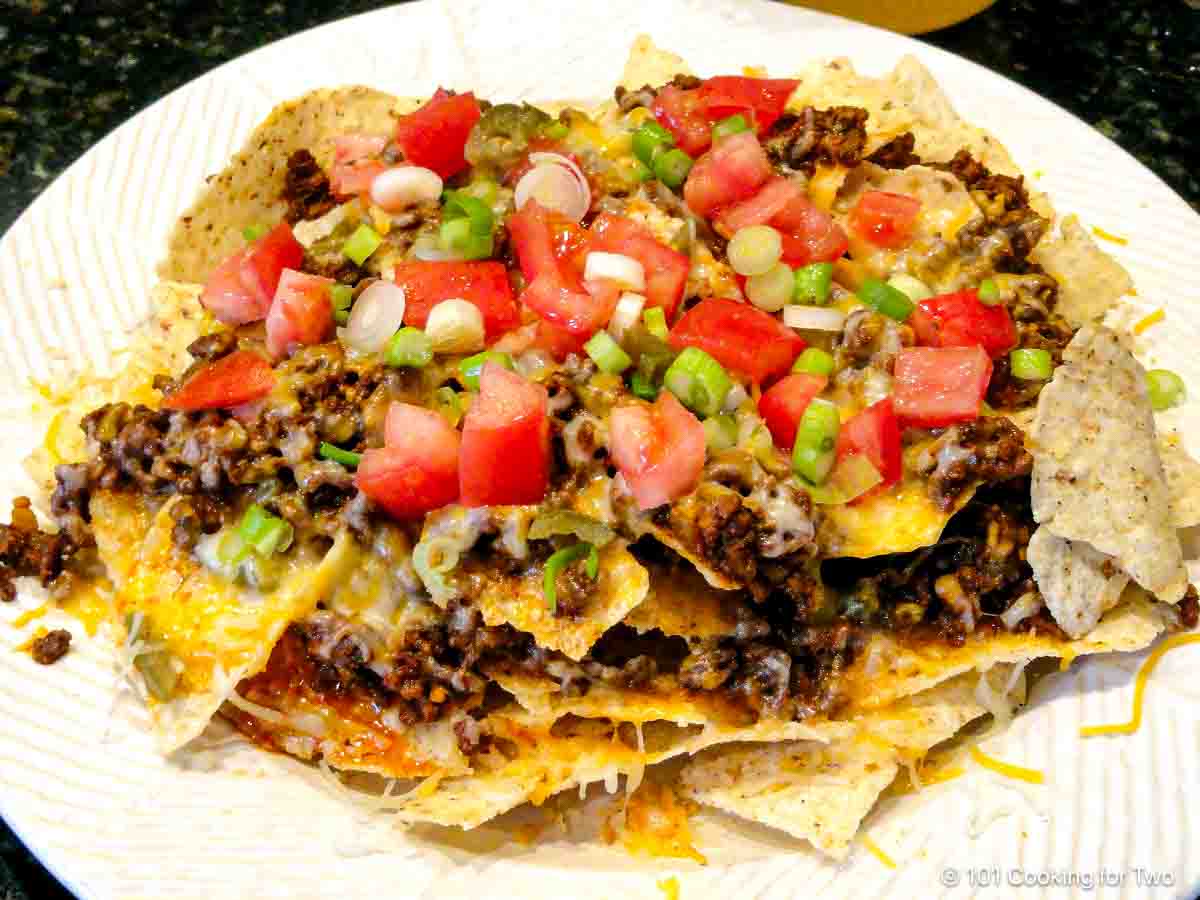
(70, 72)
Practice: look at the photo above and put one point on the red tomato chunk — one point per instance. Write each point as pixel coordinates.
(241, 377)
(782, 406)
(301, 313)
(484, 284)
(962, 320)
(885, 219)
(874, 433)
(241, 289)
(760, 100)
(936, 386)
(666, 269)
(416, 471)
(683, 114)
(747, 340)
(733, 170)
(356, 162)
(658, 448)
(435, 135)
(505, 442)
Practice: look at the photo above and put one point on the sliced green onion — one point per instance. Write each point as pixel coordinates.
(567, 521)
(472, 366)
(913, 288)
(361, 244)
(347, 458)
(482, 189)
(462, 205)
(253, 232)
(449, 404)
(989, 291)
(655, 321)
(1031, 365)
(884, 298)
(720, 432)
(731, 125)
(699, 381)
(559, 560)
(641, 171)
(812, 284)
(672, 167)
(643, 387)
(607, 353)
(232, 549)
(814, 361)
(409, 347)
(341, 296)
(650, 140)
(556, 130)
(1166, 389)
(458, 237)
(754, 250)
(771, 290)
(265, 532)
(814, 452)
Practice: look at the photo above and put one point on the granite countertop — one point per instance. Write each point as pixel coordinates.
(68, 77)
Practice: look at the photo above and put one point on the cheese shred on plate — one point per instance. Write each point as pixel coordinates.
(1008, 770)
(1139, 688)
(878, 852)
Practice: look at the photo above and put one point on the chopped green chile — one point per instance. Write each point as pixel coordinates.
(559, 561)
(253, 232)
(409, 347)
(1166, 389)
(462, 205)
(361, 244)
(720, 432)
(699, 381)
(347, 458)
(447, 402)
(1031, 365)
(885, 299)
(732, 125)
(566, 521)
(643, 387)
(650, 140)
(471, 367)
(989, 291)
(265, 532)
(672, 167)
(157, 667)
(812, 284)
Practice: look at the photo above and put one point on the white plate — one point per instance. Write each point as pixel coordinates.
(88, 794)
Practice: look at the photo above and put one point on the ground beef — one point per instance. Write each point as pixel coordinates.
(306, 189)
(1189, 608)
(26, 550)
(835, 136)
(1052, 333)
(988, 450)
(213, 346)
(51, 646)
(897, 153)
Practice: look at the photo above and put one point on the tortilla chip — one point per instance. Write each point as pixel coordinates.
(825, 84)
(1090, 282)
(887, 671)
(821, 793)
(1183, 481)
(650, 65)
(1077, 581)
(216, 631)
(249, 190)
(681, 603)
(521, 602)
(1096, 472)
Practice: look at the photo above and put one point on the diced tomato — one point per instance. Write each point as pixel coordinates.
(683, 114)
(782, 406)
(556, 290)
(666, 269)
(435, 135)
(875, 433)
(505, 441)
(936, 386)
(558, 342)
(747, 340)
(734, 169)
(241, 288)
(356, 162)
(809, 233)
(885, 219)
(962, 320)
(301, 313)
(659, 449)
(484, 284)
(417, 469)
(762, 98)
(239, 378)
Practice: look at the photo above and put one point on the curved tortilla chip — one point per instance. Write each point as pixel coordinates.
(1183, 481)
(1097, 476)
(1077, 581)
(217, 632)
(682, 603)
(1090, 282)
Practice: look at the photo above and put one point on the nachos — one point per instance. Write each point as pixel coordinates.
(756, 421)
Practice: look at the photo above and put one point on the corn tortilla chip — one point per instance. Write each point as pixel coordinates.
(1183, 481)
(1077, 581)
(1090, 282)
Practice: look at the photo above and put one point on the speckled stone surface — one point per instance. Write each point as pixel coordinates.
(70, 72)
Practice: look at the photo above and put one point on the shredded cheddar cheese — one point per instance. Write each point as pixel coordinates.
(1153, 319)
(1109, 236)
(29, 615)
(877, 851)
(1139, 688)
(1020, 773)
(669, 888)
(1065, 661)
